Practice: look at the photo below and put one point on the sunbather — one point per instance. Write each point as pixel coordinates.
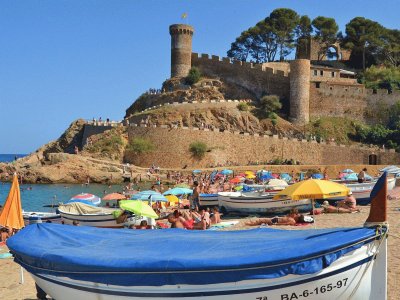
(329, 209)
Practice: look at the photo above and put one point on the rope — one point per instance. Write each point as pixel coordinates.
(383, 236)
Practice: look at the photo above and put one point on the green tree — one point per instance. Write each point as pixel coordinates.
(193, 76)
(269, 105)
(261, 42)
(326, 30)
(365, 38)
(284, 21)
(140, 145)
(198, 149)
(391, 47)
(243, 106)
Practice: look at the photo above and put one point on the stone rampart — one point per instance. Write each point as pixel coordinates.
(172, 149)
(256, 78)
(90, 130)
(337, 100)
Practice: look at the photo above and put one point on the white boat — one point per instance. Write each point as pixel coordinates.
(33, 217)
(264, 263)
(243, 203)
(361, 191)
(208, 199)
(96, 216)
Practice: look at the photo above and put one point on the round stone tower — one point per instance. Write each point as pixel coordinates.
(300, 91)
(181, 49)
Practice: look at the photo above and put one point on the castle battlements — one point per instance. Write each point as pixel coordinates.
(199, 58)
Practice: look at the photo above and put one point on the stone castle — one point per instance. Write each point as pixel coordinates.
(308, 90)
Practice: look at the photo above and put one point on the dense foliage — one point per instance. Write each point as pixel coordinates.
(243, 106)
(269, 105)
(280, 32)
(140, 145)
(193, 76)
(387, 134)
(198, 149)
(382, 78)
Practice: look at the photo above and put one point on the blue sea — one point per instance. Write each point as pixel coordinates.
(35, 196)
(10, 157)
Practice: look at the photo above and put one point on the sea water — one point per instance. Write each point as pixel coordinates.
(10, 157)
(35, 196)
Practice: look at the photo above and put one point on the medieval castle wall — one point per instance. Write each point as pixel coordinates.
(172, 149)
(256, 78)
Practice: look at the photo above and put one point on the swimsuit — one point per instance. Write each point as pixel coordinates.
(275, 220)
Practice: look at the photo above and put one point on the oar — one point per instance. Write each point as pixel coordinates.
(50, 205)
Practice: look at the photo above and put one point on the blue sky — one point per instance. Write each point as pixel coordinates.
(63, 60)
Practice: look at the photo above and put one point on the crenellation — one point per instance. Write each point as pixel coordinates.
(215, 58)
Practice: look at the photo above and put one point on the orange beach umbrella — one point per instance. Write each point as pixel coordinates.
(11, 214)
(114, 196)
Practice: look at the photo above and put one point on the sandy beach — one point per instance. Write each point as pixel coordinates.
(11, 288)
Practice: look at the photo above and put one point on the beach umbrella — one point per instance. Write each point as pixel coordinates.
(388, 168)
(86, 197)
(286, 176)
(266, 176)
(149, 195)
(313, 189)
(178, 191)
(172, 199)
(277, 182)
(236, 180)
(347, 171)
(317, 176)
(250, 176)
(196, 171)
(275, 175)
(249, 173)
(138, 208)
(81, 201)
(350, 176)
(114, 196)
(226, 172)
(11, 215)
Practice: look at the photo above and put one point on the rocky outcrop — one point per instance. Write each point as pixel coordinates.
(68, 140)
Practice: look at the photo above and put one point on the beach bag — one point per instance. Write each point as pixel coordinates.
(308, 219)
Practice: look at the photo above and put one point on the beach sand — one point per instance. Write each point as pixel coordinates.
(10, 287)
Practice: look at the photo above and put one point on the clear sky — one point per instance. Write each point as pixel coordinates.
(63, 60)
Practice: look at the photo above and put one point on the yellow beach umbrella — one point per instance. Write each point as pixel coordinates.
(11, 215)
(249, 173)
(138, 207)
(313, 189)
(250, 176)
(172, 199)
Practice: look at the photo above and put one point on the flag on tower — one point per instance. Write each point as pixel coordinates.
(184, 16)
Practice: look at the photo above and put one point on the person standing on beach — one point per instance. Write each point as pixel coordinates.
(196, 196)
(361, 175)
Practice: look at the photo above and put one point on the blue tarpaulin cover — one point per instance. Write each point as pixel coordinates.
(159, 257)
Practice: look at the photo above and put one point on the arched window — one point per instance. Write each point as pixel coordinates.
(332, 53)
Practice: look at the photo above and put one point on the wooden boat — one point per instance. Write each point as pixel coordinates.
(209, 199)
(245, 203)
(99, 263)
(361, 191)
(33, 217)
(96, 216)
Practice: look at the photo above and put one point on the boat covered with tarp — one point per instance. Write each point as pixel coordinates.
(72, 262)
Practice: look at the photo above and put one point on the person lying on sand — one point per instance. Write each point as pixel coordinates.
(329, 209)
(292, 219)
